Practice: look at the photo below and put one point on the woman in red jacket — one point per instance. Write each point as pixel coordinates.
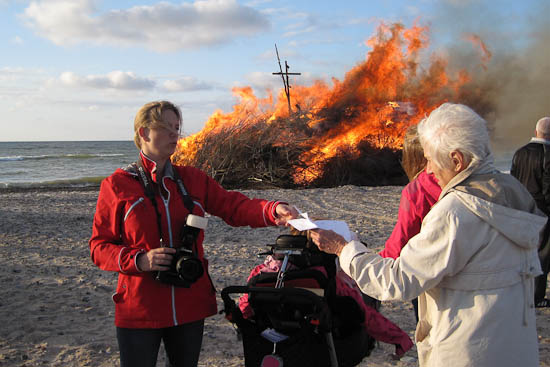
(144, 213)
(417, 198)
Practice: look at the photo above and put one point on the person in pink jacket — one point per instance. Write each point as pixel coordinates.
(416, 198)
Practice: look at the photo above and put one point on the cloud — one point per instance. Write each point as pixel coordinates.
(162, 27)
(185, 84)
(11, 72)
(129, 81)
(17, 40)
(18, 73)
(284, 53)
(262, 81)
(311, 24)
(254, 3)
(121, 80)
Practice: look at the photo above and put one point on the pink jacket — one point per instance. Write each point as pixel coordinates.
(416, 200)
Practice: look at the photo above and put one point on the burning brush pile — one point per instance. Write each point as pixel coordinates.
(348, 133)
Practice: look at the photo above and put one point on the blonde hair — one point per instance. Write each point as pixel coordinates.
(413, 161)
(150, 116)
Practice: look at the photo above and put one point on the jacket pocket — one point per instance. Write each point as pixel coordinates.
(120, 294)
(422, 330)
(422, 340)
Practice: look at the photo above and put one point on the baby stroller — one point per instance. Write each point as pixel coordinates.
(292, 314)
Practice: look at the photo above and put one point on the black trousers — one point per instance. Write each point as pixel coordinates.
(415, 306)
(540, 287)
(544, 257)
(140, 347)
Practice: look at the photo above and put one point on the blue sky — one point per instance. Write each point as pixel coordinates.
(80, 69)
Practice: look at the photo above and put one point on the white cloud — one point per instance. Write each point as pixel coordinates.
(362, 20)
(308, 29)
(254, 3)
(127, 80)
(311, 23)
(8, 73)
(262, 81)
(161, 27)
(121, 80)
(17, 40)
(11, 72)
(413, 10)
(185, 84)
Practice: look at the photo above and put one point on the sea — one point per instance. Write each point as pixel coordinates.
(62, 163)
(78, 163)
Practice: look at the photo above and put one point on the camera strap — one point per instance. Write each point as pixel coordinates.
(147, 183)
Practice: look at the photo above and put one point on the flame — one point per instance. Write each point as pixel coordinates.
(375, 102)
(477, 41)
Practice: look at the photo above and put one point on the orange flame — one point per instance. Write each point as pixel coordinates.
(376, 101)
(477, 41)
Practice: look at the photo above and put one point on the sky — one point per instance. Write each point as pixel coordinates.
(80, 69)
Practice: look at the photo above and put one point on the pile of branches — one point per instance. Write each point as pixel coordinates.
(270, 154)
(371, 167)
(251, 154)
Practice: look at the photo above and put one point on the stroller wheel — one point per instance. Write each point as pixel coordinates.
(272, 360)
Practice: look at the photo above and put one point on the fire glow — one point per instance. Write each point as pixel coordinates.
(376, 102)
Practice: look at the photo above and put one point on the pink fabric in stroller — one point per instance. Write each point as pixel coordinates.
(376, 325)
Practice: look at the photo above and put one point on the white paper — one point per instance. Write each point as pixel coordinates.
(338, 226)
(304, 224)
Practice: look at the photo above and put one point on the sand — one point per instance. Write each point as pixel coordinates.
(56, 307)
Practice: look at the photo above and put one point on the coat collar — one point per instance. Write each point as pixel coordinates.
(540, 141)
(151, 167)
(483, 166)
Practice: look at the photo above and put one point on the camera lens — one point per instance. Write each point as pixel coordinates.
(189, 268)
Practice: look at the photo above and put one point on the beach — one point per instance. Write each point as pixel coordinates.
(56, 307)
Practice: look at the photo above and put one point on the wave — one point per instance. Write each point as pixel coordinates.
(58, 156)
(64, 183)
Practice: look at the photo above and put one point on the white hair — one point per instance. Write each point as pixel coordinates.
(454, 127)
(543, 126)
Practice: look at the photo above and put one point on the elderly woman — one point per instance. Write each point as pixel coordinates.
(473, 262)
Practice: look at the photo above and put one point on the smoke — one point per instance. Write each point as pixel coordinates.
(511, 89)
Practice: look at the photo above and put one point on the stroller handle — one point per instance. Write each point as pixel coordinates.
(316, 300)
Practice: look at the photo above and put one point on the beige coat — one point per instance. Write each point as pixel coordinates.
(472, 267)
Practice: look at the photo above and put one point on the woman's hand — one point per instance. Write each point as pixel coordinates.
(328, 241)
(155, 259)
(285, 213)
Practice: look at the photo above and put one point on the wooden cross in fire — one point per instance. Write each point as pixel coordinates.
(285, 75)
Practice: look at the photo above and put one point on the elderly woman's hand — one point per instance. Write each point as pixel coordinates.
(285, 213)
(328, 241)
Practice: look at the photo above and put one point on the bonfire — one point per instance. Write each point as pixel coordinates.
(349, 132)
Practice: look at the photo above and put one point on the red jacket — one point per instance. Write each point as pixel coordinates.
(416, 200)
(125, 224)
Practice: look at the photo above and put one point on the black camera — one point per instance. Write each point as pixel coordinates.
(186, 268)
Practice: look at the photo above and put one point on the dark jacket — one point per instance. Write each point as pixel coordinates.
(531, 166)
